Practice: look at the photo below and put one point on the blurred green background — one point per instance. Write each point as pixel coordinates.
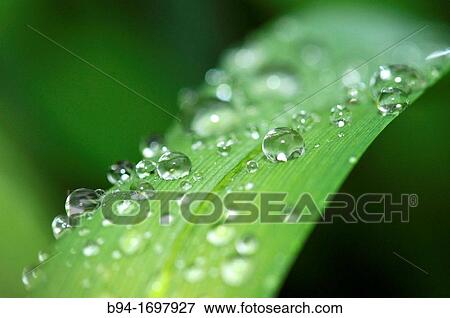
(62, 123)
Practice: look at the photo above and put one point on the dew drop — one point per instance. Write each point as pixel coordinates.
(43, 256)
(131, 242)
(220, 235)
(275, 82)
(91, 249)
(340, 116)
(81, 201)
(224, 147)
(116, 254)
(145, 168)
(194, 274)
(59, 225)
(303, 121)
(197, 144)
(197, 176)
(120, 171)
(352, 160)
(252, 166)
(153, 147)
(397, 76)
(235, 271)
(173, 165)
(355, 93)
(83, 231)
(249, 186)
(392, 101)
(224, 92)
(341, 134)
(247, 245)
(282, 144)
(31, 277)
(252, 132)
(215, 77)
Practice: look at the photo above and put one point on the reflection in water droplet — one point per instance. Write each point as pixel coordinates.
(340, 116)
(173, 165)
(282, 144)
(220, 235)
(59, 225)
(392, 101)
(235, 271)
(120, 171)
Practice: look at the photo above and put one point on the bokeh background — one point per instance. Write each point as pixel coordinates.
(62, 123)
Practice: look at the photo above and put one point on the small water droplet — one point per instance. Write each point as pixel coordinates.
(252, 166)
(355, 93)
(235, 271)
(84, 231)
(341, 134)
(131, 242)
(197, 144)
(220, 235)
(59, 225)
(249, 186)
(116, 254)
(194, 274)
(43, 256)
(247, 245)
(185, 185)
(397, 76)
(173, 165)
(352, 159)
(282, 144)
(145, 168)
(81, 201)
(153, 147)
(120, 171)
(31, 277)
(197, 176)
(224, 147)
(224, 92)
(340, 116)
(392, 101)
(316, 146)
(91, 249)
(303, 120)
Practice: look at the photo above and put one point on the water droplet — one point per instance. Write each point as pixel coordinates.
(352, 159)
(145, 168)
(224, 147)
(120, 171)
(173, 165)
(126, 207)
(247, 245)
(214, 117)
(303, 120)
(340, 116)
(81, 201)
(341, 134)
(392, 101)
(220, 235)
(275, 82)
(437, 62)
(316, 146)
(235, 271)
(185, 185)
(282, 144)
(31, 277)
(153, 147)
(398, 76)
(84, 231)
(91, 249)
(116, 254)
(131, 242)
(197, 176)
(197, 144)
(194, 274)
(224, 92)
(43, 256)
(252, 166)
(249, 186)
(59, 225)
(355, 93)
(252, 132)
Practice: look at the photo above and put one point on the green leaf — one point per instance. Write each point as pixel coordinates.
(179, 260)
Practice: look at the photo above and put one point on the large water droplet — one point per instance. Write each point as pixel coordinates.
(59, 225)
(120, 171)
(220, 235)
(235, 271)
(145, 168)
(247, 245)
(173, 165)
(153, 147)
(392, 101)
(398, 76)
(340, 116)
(282, 144)
(81, 201)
